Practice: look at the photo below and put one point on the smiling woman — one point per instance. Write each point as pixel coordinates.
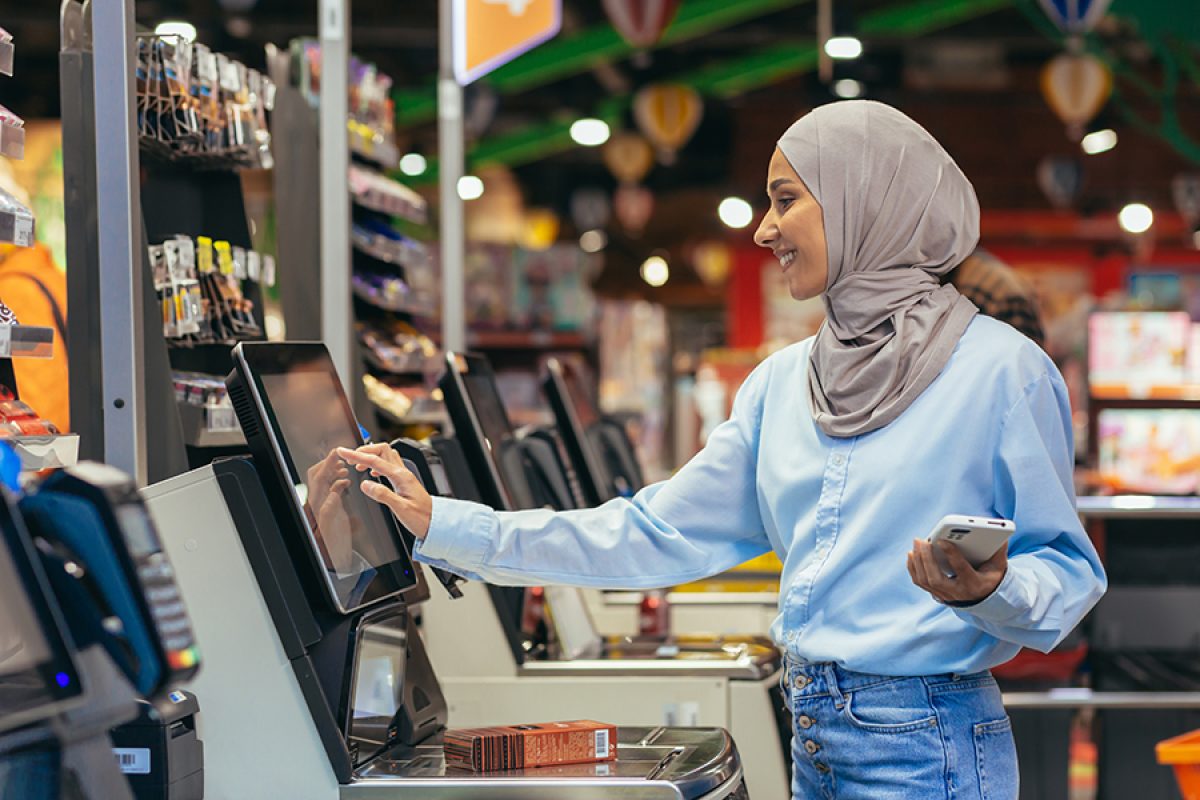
(794, 230)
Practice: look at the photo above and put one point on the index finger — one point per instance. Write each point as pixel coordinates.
(381, 465)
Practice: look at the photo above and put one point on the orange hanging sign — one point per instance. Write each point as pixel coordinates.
(490, 33)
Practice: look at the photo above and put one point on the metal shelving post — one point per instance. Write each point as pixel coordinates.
(450, 169)
(118, 216)
(336, 316)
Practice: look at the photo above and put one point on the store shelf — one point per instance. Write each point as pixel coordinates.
(207, 427)
(526, 340)
(26, 341)
(12, 141)
(371, 145)
(16, 227)
(1153, 396)
(381, 194)
(398, 252)
(1136, 506)
(399, 305)
(46, 452)
(7, 51)
(412, 365)
(1086, 698)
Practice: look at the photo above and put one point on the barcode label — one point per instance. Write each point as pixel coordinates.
(133, 760)
(602, 743)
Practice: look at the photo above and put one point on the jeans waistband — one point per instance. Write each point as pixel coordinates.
(828, 678)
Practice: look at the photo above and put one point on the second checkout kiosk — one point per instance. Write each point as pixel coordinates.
(316, 682)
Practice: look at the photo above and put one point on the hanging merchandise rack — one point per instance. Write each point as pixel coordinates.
(163, 126)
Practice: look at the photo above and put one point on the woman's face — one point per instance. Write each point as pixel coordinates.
(794, 230)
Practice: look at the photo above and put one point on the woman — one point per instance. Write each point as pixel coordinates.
(841, 454)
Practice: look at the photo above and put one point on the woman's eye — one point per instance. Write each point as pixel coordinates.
(784, 202)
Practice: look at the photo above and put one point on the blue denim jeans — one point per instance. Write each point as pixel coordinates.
(873, 737)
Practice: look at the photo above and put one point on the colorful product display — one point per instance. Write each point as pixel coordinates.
(1150, 451)
(199, 285)
(1138, 353)
(201, 107)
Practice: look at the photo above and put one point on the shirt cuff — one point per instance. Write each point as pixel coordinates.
(1000, 606)
(460, 534)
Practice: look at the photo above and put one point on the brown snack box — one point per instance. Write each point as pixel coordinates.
(521, 746)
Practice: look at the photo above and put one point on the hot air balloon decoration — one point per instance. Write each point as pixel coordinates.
(1061, 179)
(641, 22)
(633, 206)
(668, 114)
(1076, 86)
(1075, 17)
(628, 157)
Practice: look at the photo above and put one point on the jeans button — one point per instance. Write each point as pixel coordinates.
(802, 681)
(821, 767)
(811, 746)
(806, 721)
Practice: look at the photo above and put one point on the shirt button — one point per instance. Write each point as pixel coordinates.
(837, 459)
(811, 746)
(802, 681)
(806, 721)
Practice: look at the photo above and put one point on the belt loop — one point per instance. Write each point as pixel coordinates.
(835, 691)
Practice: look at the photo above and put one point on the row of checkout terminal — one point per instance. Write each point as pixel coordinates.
(257, 627)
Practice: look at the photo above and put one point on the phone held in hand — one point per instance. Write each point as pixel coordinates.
(978, 538)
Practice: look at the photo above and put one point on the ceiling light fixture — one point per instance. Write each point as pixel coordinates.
(470, 187)
(655, 271)
(1136, 218)
(593, 241)
(413, 164)
(1098, 142)
(176, 27)
(843, 47)
(735, 212)
(589, 132)
(848, 88)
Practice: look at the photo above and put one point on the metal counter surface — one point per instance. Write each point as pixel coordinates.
(652, 764)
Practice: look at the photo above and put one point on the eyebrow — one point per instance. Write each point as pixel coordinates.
(775, 184)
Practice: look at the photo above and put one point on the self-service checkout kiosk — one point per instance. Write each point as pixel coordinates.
(605, 467)
(93, 634)
(706, 681)
(316, 682)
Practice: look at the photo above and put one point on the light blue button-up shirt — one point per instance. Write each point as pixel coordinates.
(991, 436)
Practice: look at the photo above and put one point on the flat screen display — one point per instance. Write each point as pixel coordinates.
(575, 414)
(357, 540)
(37, 674)
(474, 383)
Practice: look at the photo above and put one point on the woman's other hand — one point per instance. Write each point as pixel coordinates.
(407, 498)
(968, 584)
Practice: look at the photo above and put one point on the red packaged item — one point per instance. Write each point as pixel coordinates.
(523, 746)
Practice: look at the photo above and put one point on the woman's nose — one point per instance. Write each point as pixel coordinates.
(766, 232)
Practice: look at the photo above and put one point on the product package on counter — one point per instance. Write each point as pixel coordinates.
(535, 745)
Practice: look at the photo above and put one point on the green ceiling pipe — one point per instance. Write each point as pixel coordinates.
(731, 78)
(571, 55)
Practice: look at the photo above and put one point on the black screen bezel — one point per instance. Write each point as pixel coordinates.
(254, 359)
(55, 697)
(469, 431)
(589, 469)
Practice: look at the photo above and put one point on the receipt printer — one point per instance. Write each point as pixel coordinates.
(159, 752)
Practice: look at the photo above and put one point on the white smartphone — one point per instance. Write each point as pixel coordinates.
(977, 537)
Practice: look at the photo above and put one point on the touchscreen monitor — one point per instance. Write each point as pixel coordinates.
(575, 414)
(38, 676)
(483, 427)
(297, 418)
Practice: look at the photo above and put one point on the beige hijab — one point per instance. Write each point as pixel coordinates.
(899, 214)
